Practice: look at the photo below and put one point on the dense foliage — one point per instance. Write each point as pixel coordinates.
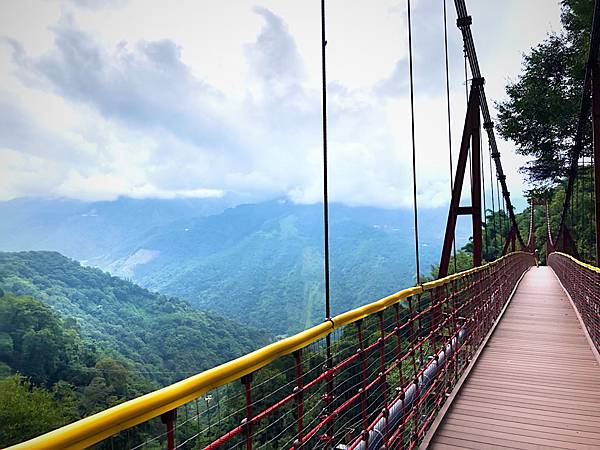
(27, 411)
(163, 338)
(52, 374)
(75, 341)
(540, 114)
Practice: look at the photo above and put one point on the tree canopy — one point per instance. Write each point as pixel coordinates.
(542, 105)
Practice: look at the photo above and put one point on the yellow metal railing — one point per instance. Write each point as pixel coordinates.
(100, 426)
(578, 262)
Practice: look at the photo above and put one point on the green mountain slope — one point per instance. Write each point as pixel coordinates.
(263, 264)
(163, 338)
(259, 264)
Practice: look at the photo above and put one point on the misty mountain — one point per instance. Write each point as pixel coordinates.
(90, 231)
(260, 264)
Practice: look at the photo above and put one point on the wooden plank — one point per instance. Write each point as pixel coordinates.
(535, 406)
(558, 424)
(496, 439)
(520, 386)
(523, 430)
(592, 385)
(441, 446)
(536, 383)
(541, 425)
(535, 397)
(529, 411)
(450, 442)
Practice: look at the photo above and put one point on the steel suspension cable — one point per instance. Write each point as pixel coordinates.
(593, 200)
(495, 236)
(589, 189)
(588, 210)
(414, 154)
(325, 188)
(499, 206)
(505, 226)
(466, 76)
(467, 99)
(449, 121)
(482, 172)
(328, 356)
(579, 210)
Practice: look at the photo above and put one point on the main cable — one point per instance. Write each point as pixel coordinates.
(467, 97)
(414, 154)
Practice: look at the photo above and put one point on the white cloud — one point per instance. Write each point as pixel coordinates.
(212, 97)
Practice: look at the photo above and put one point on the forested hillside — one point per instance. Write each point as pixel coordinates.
(50, 374)
(162, 338)
(75, 340)
(263, 263)
(260, 264)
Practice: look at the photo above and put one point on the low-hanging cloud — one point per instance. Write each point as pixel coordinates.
(99, 4)
(147, 86)
(151, 126)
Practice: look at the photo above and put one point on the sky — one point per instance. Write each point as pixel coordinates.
(202, 98)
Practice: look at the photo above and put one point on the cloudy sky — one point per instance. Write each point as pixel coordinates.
(148, 98)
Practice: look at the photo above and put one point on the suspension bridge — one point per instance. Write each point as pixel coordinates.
(502, 355)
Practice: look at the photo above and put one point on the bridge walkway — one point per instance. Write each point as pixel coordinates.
(536, 384)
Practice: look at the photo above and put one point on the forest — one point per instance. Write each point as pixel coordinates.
(75, 340)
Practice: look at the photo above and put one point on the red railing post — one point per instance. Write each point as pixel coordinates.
(382, 375)
(299, 391)
(416, 372)
(169, 419)
(247, 421)
(363, 383)
(400, 362)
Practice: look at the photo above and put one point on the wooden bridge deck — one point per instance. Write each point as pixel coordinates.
(536, 384)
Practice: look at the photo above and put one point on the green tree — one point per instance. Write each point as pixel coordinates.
(540, 113)
(26, 411)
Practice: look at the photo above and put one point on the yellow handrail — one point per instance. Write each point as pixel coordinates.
(100, 426)
(581, 263)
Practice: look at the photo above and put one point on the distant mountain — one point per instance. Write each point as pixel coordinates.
(90, 231)
(263, 264)
(260, 264)
(163, 338)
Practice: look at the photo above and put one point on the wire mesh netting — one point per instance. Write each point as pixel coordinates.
(378, 381)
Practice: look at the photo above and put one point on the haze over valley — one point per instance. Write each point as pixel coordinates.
(259, 264)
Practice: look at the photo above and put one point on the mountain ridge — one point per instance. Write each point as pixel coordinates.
(260, 264)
